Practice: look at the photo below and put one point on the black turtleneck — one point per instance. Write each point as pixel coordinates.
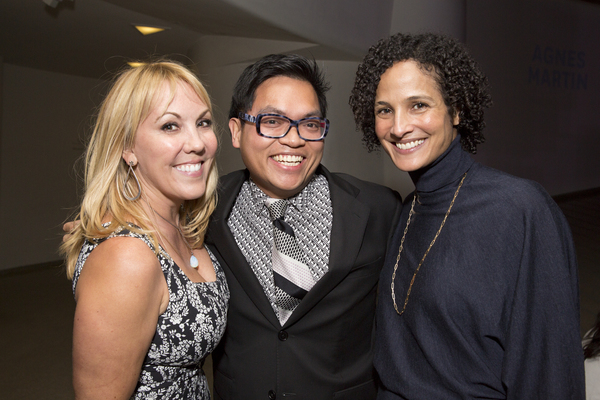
(446, 169)
(494, 310)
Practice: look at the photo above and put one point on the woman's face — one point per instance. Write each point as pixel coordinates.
(412, 121)
(174, 147)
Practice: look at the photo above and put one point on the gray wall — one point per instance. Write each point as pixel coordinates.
(538, 131)
(221, 59)
(542, 59)
(44, 117)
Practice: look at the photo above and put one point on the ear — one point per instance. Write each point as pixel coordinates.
(129, 156)
(456, 118)
(235, 127)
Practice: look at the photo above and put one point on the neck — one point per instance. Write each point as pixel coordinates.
(166, 221)
(169, 233)
(167, 212)
(447, 168)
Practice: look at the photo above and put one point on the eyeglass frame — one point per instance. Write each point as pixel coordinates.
(256, 121)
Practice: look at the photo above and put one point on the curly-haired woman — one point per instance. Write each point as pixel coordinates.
(478, 297)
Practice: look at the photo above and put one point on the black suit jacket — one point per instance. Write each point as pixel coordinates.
(324, 350)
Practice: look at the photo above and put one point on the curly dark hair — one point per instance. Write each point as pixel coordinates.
(463, 86)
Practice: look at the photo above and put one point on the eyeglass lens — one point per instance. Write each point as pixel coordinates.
(310, 128)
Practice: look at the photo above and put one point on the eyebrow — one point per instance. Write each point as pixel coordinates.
(408, 99)
(382, 103)
(273, 110)
(420, 97)
(203, 113)
(173, 113)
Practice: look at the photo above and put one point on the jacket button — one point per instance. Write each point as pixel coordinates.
(282, 335)
(272, 395)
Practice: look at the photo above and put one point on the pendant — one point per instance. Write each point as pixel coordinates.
(193, 261)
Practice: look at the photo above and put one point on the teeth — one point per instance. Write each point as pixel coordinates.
(288, 160)
(410, 145)
(189, 167)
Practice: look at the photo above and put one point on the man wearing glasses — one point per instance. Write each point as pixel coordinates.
(302, 272)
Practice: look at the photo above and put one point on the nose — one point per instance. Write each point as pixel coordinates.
(402, 124)
(195, 141)
(292, 139)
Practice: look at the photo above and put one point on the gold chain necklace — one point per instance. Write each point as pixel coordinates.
(410, 214)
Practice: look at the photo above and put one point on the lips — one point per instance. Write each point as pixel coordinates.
(409, 145)
(189, 167)
(288, 159)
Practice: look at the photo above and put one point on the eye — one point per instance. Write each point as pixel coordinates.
(170, 127)
(420, 106)
(383, 112)
(205, 123)
(270, 121)
(312, 124)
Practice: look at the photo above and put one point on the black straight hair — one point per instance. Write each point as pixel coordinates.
(271, 66)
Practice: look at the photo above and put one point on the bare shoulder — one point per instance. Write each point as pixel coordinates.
(120, 295)
(123, 267)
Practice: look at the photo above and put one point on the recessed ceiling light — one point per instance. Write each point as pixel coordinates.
(136, 64)
(148, 30)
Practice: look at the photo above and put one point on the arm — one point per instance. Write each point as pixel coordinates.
(543, 357)
(68, 228)
(120, 294)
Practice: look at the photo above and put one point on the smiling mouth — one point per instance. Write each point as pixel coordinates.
(410, 145)
(288, 160)
(189, 167)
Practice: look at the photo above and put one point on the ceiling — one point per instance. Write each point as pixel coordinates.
(93, 38)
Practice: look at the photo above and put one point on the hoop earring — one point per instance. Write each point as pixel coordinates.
(125, 189)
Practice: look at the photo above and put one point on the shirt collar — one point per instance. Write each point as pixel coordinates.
(298, 201)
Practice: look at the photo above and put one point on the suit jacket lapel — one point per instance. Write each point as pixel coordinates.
(350, 218)
(220, 237)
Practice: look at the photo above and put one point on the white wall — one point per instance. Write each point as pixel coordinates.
(44, 118)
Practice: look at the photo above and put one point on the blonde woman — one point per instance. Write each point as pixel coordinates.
(151, 299)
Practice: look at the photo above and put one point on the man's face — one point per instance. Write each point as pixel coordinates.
(280, 167)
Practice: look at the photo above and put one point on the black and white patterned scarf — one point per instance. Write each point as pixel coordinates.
(309, 214)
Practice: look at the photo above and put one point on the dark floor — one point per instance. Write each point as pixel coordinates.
(36, 316)
(583, 212)
(36, 311)
(36, 322)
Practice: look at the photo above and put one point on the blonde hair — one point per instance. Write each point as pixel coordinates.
(126, 106)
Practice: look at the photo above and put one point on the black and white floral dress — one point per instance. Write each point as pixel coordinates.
(186, 332)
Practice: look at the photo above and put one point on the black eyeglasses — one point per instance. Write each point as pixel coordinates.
(276, 126)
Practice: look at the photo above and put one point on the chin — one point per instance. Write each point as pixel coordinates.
(406, 165)
(193, 195)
